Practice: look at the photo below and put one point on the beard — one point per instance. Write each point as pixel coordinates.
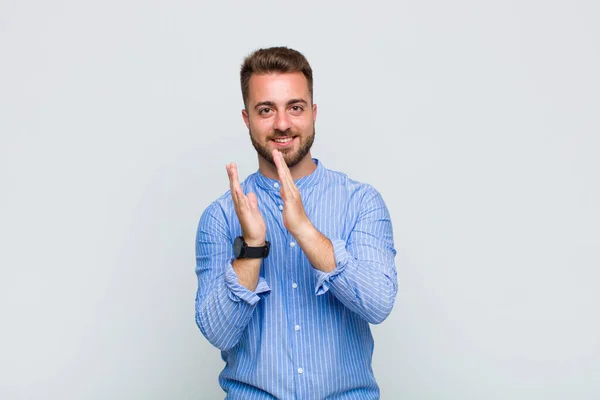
(291, 157)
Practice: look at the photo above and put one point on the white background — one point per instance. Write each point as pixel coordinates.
(478, 121)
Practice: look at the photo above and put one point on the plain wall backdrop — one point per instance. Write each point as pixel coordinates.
(477, 121)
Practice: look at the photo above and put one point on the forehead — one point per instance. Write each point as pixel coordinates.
(278, 87)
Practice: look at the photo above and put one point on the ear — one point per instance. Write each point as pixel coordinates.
(314, 109)
(246, 118)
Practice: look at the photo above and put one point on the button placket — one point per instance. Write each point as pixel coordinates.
(299, 351)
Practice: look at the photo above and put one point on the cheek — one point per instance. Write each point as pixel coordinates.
(260, 128)
(305, 124)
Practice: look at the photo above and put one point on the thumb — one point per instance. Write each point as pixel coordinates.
(253, 201)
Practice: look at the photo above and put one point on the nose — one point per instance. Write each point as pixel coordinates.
(282, 122)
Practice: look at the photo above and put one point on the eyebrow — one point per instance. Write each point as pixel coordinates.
(264, 103)
(272, 104)
(295, 101)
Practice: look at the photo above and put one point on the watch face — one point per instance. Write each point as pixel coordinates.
(238, 244)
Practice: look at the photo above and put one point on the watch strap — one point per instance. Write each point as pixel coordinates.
(256, 252)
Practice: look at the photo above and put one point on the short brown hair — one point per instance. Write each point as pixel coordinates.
(274, 59)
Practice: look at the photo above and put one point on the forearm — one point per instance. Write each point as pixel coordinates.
(317, 248)
(224, 309)
(247, 271)
(228, 289)
(362, 277)
(367, 287)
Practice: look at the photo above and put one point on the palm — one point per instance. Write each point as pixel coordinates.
(294, 216)
(251, 220)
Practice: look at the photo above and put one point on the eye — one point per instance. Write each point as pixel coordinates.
(296, 109)
(264, 111)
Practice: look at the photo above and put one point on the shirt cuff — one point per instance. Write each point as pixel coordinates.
(341, 257)
(238, 292)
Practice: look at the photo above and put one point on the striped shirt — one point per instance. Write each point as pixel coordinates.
(302, 333)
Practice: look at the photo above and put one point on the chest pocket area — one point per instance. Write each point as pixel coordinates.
(335, 221)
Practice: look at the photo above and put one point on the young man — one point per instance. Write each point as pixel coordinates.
(296, 261)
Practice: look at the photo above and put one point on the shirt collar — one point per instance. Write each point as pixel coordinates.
(304, 182)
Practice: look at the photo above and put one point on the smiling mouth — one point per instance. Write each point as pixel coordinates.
(284, 140)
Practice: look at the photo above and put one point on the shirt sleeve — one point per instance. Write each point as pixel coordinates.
(364, 278)
(223, 306)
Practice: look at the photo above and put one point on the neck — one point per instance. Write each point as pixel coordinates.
(304, 168)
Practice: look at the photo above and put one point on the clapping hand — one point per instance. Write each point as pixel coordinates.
(295, 219)
(254, 229)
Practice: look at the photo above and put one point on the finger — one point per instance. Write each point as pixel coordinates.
(275, 155)
(282, 168)
(281, 172)
(236, 189)
(241, 197)
(231, 184)
(277, 161)
(234, 174)
(286, 176)
(252, 201)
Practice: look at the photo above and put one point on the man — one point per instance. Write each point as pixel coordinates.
(296, 261)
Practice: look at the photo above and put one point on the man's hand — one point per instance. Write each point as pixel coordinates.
(315, 245)
(254, 229)
(295, 219)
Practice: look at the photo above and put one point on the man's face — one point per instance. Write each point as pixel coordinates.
(280, 115)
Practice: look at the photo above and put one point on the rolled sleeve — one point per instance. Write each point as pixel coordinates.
(237, 292)
(223, 306)
(364, 278)
(341, 260)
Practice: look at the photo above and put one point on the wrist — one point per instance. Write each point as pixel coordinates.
(304, 231)
(255, 242)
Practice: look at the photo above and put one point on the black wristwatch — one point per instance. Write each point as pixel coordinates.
(242, 250)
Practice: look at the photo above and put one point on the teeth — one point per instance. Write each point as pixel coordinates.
(283, 140)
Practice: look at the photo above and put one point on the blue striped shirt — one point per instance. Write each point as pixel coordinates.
(302, 333)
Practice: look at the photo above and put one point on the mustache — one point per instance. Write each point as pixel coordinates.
(278, 133)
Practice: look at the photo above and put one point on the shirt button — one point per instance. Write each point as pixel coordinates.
(297, 327)
(300, 370)
(293, 244)
(280, 207)
(276, 185)
(294, 285)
